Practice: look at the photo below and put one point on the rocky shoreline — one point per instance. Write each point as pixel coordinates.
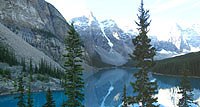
(37, 91)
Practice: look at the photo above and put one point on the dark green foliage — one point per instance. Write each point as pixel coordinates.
(42, 66)
(45, 68)
(15, 85)
(31, 70)
(49, 99)
(7, 56)
(29, 98)
(36, 69)
(5, 73)
(38, 76)
(185, 90)
(21, 102)
(44, 78)
(172, 65)
(124, 98)
(143, 55)
(23, 64)
(31, 76)
(30, 66)
(74, 84)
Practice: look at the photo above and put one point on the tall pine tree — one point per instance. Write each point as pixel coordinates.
(143, 54)
(185, 90)
(23, 64)
(49, 98)
(74, 83)
(29, 96)
(31, 70)
(21, 102)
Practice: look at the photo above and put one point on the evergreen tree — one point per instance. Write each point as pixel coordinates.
(143, 54)
(49, 98)
(2, 51)
(74, 84)
(7, 55)
(42, 66)
(45, 67)
(21, 102)
(29, 98)
(38, 76)
(23, 64)
(49, 70)
(36, 69)
(31, 70)
(124, 98)
(15, 85)
(30, 66)
(185, 90)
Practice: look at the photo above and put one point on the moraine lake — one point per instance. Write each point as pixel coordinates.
(104, 89)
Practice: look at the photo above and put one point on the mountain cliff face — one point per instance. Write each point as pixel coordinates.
(22, 49)
(37, 22)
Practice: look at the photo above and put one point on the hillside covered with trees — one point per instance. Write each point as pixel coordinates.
(173, 65)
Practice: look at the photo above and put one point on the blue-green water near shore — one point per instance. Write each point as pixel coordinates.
(104, 89)
(39, 99)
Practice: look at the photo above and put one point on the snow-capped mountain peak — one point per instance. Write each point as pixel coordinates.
(85, 20)
(109, 36)
(109, 23)
(91, 18)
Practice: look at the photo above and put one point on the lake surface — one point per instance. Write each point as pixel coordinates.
(105, 88)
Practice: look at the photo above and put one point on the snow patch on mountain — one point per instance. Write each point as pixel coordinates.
(104, 34)
(115, 34)
(165, 52)
(109, 23)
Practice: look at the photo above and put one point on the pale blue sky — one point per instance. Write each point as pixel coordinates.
(163, 12)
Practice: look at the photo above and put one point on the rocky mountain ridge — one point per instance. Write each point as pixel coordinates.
(114, 38)
(104, 39)
(37, 22)
(22, 49)
(42, 26)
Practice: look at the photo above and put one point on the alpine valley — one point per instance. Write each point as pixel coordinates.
(34, 31)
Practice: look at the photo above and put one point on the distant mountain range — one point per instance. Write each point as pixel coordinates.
(105, 43)
(113, 44)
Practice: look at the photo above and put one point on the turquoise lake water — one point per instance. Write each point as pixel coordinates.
(104, 89)
(39, 99)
